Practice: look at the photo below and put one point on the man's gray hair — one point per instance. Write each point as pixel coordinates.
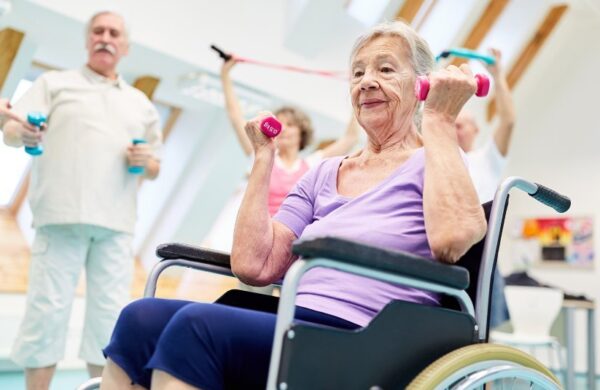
(421, 57)
(88, 26)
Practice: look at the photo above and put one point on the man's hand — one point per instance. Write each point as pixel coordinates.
(139, 155)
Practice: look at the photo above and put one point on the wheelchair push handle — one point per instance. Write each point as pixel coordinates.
(36, 119)
(551, 198)
(422, 86)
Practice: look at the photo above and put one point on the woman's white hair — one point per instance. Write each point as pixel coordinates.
(421, 58)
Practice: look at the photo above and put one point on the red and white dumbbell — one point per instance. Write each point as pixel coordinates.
(422, 86)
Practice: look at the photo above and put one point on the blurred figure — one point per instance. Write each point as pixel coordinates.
(83, 198)
(487, 163)
(288, 168)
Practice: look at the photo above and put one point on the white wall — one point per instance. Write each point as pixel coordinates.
(557, 141)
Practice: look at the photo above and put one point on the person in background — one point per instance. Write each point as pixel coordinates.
(82, 197)
(487, 163)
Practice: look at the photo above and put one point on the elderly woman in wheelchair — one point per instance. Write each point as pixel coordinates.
(343, 322)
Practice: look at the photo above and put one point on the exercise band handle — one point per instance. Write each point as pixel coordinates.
(551, 198)
(222, 54)
(422, 86)
(466, 53)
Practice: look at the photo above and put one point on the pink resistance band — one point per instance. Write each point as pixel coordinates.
(342, 75)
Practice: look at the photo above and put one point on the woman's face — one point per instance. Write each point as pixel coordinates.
(289, 138)
(382, 84)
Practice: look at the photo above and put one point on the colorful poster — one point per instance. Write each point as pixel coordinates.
(567, 240)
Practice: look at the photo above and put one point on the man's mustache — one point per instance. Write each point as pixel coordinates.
(105, 46)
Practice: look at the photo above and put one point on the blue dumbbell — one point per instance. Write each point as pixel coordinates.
(136, 169)
(36, 119)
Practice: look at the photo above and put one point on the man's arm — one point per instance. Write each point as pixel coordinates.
(504, 105)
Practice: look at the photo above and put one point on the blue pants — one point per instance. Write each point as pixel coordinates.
(498, 306)
(207, 345)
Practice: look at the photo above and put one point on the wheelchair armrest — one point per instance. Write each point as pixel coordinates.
(171, 251)
(395, 262)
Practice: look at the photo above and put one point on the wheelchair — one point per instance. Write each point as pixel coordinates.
(407, 345)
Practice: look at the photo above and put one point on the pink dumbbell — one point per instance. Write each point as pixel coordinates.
(270, 127)
(422, 86)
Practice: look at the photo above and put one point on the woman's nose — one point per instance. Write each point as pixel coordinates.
(368, 82)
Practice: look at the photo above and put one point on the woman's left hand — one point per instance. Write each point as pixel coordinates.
(449, 90)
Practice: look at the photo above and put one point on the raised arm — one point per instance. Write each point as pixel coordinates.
(346, 142)
(232, 105)
(261, 251)
(454, 219)
(504, 105)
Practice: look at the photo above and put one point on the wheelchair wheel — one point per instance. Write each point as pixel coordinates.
(474, 366)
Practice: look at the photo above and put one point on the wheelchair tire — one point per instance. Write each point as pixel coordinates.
(471, 356)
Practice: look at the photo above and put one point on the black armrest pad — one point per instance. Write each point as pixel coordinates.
(193, 253)
(400, 263)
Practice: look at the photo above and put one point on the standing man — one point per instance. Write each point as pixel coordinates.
(487, 163)
(83, 198)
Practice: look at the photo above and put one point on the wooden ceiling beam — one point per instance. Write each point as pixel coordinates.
(482, 27)
(531, 50)
(170, 122)
(147, 84)
(10, 42)
(409, 9)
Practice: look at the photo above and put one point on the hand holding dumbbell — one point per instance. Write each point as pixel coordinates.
(136, 166)
(270, 127)
(422, 86)
(36, 119)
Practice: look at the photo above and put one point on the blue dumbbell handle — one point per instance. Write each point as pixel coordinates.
(36, 119)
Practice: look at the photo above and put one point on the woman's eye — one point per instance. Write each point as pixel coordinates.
(358, 73)
(387, 69)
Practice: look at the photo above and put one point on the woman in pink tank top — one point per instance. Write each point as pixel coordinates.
(288, 169)
(296, 135)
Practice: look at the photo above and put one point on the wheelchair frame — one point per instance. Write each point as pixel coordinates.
(468, 377)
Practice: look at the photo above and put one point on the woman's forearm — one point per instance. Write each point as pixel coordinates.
(454, 218)
(253, 235)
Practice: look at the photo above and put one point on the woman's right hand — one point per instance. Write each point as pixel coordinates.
(260, 142)
(450, 89)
